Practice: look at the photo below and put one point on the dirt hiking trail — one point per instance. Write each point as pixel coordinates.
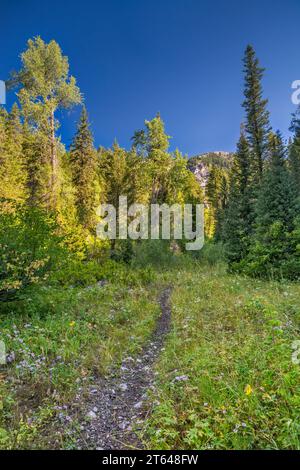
(116, 406)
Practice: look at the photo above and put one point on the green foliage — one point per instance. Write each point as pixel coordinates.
(90, 274)
(238, 218)
(123, 251)
(45, 87)
(84, 174)
(276, 211)
(216, 193)
(13, 173)
(30, 249)
(259, 221)
(115, 171)
(257, 117)
(212, 254)
(294, 152)
(181, 185)
(248, 167)
(153, 144)
(156, 253)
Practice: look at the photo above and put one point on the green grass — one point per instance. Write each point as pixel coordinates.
(61, 339)
(232, 338)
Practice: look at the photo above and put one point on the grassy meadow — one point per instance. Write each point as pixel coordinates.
(225, 378)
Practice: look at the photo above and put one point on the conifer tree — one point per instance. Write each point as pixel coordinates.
(222, 204)
(238, 217)
(250, 160)
(294, 152)
(216, 192)
(83, 159)
(276, 200)
(276, 211)
(211, 197)
(257, 117)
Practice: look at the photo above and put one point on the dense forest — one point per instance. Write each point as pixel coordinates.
(52, 260)
(252, 209)
(43, 181)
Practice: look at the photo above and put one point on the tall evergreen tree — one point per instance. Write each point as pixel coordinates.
(211, 196)
(238, 217)
(257, 117)
(276, 201)
(276, 211)
(83, 159)
(294, 152)
(250, 160)
(222, 204)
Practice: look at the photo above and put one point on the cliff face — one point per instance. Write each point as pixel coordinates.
(202, 164)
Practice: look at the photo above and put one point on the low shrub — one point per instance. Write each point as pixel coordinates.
(155, 253)
(211, 253)
(84, 274)
(29, 250)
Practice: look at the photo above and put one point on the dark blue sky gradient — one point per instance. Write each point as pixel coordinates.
(132, 58)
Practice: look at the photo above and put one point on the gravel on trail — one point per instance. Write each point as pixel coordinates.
(117, 404)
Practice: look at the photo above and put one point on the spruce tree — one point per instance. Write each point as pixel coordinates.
(222, 204)
(250, 160)
(257, 117)
(276, 211)
(294, 153)
(276, 201)
(83, 160)
(211, 196)
(238, 217)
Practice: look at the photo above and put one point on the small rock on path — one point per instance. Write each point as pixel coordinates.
(120, 400)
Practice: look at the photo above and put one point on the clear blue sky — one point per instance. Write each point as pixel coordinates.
(132, 58)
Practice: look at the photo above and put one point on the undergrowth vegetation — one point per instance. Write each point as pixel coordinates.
(226, 379)
(60, 336)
